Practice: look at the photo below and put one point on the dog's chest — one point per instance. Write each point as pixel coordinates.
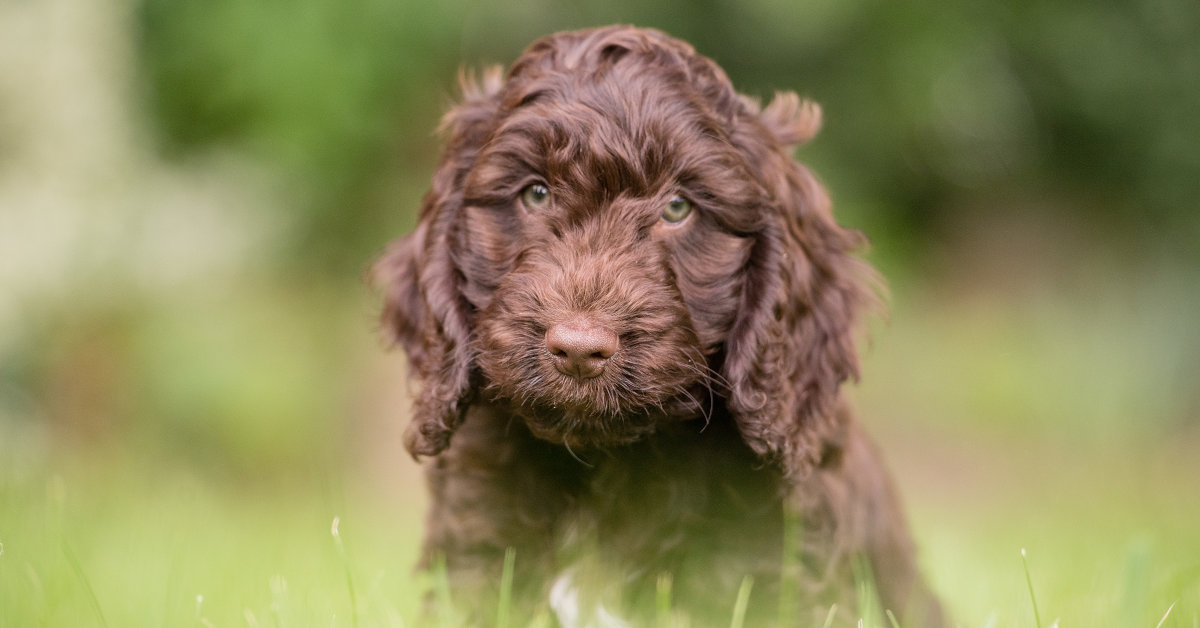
(703, 517)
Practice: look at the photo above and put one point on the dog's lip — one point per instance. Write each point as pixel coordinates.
(586, 434)
(579, 409)
(552, 419)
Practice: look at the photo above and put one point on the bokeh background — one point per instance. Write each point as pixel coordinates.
(192, 387)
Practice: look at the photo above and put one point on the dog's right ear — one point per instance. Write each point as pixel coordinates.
(404, 315)
(423, 306)
(792, 120)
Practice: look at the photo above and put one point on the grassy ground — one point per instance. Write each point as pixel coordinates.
(991, 459)
(96, 543)
(1111, 538)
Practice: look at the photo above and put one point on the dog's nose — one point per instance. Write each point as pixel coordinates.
(581, 347)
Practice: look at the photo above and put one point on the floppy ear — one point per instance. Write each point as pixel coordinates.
(794, 342)
(423, 309)
(404, 313)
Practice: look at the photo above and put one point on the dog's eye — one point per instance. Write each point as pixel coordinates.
(677, 209)
(535, 196)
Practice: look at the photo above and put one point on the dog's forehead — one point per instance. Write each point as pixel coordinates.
(627, 93)
(619, 134)
(625, 53)
(599, 139)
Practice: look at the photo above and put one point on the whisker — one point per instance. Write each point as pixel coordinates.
(567, 445)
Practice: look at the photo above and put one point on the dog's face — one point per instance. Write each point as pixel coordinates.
(617, 239)
(599, 246)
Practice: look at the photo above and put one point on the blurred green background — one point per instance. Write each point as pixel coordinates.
(192, 386)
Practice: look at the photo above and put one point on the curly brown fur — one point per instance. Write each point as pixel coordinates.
(708, 417)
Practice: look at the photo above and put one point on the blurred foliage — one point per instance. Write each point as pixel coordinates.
(1016, 165)
(1030, 163)
(329, 91)
(993, 148)
(929, 104)
(236, 383)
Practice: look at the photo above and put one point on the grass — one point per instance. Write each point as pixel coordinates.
(742, 604)
(1037, 617)
(89, 545)
(98, 542)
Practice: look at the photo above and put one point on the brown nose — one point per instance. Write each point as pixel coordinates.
(581, 347)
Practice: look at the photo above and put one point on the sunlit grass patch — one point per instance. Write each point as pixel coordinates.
(102, 546)
(119, 544)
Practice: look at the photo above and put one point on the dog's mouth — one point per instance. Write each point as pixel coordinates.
(580, 428)
(583, 432)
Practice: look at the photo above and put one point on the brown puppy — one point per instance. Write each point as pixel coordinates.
(630, 312)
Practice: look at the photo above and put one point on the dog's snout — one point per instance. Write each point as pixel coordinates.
(581, 347)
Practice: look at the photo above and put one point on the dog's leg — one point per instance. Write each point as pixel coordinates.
(866, 541)
(492, 490)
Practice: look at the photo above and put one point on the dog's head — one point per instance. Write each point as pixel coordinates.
(615, 239)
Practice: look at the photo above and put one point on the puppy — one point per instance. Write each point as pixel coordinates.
(630, 312)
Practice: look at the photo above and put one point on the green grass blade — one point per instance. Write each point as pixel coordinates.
(1136, 591)
(833, 609)
(341, 549)
(1165, 615)
(506, 584)
(1037, 618)
(789, 577)
(280, 603)
(662, 601)
(442, 592)
(868, 594)
(743, 603)
(83, 579)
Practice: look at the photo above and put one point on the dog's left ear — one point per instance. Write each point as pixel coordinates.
(424, 310)
(793, 344)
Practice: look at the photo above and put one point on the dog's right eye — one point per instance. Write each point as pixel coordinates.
(536, 196)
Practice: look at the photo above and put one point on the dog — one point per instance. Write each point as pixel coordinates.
(630, 312)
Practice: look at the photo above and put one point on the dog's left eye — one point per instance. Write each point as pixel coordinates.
(677, 209)
(535, 196)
